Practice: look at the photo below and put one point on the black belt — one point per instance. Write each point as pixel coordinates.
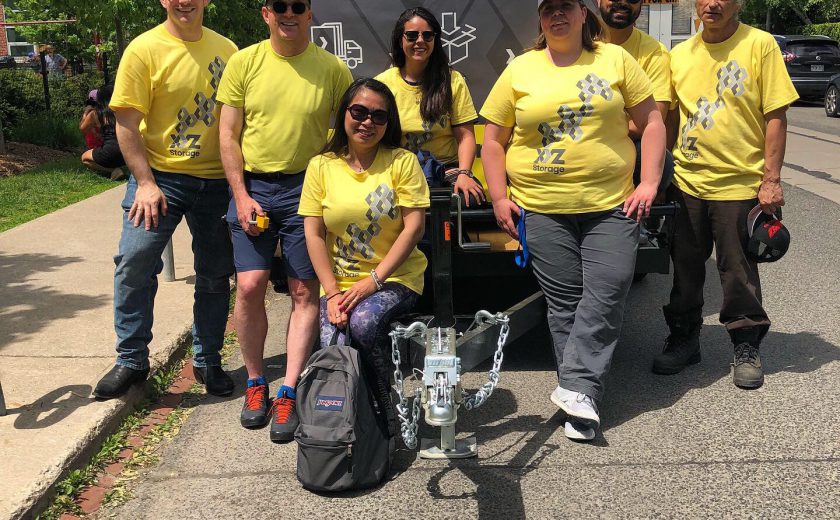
(273, 176)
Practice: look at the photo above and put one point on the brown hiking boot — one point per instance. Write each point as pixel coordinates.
(746, 368)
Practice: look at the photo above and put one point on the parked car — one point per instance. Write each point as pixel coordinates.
(810, 61)
(832, 97)
(7, 62)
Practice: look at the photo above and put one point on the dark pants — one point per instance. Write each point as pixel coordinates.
(701, 224)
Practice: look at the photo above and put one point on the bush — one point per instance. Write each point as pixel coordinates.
(21, 93)
(832, 30)
(50, 130)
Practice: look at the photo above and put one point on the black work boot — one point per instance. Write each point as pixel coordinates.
(746, 367)
(214, 379)
(682, 347)
(117, 381)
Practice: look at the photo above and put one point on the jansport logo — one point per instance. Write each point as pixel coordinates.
(329, 403)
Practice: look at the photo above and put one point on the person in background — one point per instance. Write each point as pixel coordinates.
(557, 132)
(89, 124)
(55, 62)
(436, 109)
(729, 120)
(104, 158)
(363, 203)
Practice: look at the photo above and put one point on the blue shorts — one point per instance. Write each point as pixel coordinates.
(279, 197)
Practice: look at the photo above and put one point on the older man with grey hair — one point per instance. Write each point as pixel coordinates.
(731, 94)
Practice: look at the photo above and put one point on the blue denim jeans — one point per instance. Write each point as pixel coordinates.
(203, 202)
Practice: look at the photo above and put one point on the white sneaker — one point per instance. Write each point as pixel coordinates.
(577, 405)
(578, 431)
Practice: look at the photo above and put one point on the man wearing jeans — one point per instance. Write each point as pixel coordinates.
(278, 96)
(167, 80)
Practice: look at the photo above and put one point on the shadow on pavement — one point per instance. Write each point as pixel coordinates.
(28, 308)
(51, 409)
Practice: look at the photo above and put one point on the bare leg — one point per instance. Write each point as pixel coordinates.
(250, 320)
(303, 327)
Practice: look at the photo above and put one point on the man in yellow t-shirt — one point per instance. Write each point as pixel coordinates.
(620, 17)
(731, 93)
(165, 105)
(277, 98)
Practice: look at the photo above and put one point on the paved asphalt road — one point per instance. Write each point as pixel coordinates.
(812, 116)
(690, 445)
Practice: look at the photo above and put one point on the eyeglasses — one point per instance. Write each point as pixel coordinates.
(361, 114)
(412, 36)
(296, 7)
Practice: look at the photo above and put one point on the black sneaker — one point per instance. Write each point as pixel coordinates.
(679, 352)
(255, 410)
(284, 419)
(747, 372)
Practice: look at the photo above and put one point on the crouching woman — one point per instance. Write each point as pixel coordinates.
(363, 204)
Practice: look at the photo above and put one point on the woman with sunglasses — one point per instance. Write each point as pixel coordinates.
(363, 203)
(436, 109)
(557, 133)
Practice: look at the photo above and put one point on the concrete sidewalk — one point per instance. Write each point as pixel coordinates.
(57, 338)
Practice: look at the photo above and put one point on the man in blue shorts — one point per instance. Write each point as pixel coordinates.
(278, 96)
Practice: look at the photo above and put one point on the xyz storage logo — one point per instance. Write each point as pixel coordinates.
(185, 144)
(550, 159)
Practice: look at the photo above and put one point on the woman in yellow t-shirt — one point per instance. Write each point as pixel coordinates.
(363, 203)
(557, 133)
(436, 109)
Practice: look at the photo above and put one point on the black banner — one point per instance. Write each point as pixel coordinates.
(479, 36)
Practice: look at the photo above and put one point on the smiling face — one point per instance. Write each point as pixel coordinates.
(185, 14)
(619, 14)
(562, 19)
(717, 14)
(419, 50)
(288, 26)
(365, 134)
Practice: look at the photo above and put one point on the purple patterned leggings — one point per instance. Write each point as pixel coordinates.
(369, 327)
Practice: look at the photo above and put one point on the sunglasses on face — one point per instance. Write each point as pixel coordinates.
(361, 113)
(412, 36)
(282, 7)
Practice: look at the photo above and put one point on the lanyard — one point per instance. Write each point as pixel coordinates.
(521, 256)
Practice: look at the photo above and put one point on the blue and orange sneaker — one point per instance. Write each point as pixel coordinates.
(284, 419)
(255, 410)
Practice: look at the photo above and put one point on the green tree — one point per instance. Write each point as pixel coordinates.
(118, 21)
(787, 16)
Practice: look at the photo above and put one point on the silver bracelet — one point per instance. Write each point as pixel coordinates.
(376, 279)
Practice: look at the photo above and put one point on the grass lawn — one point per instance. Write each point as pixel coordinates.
(45, 189)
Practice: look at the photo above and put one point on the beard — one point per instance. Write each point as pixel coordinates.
(610, 20)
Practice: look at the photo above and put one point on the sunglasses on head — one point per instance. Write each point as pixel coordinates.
(412, 36)
(296, 7)
(361, 113)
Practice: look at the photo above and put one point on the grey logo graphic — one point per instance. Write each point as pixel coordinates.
(203, 113)
(381, 202)
(731, 77)
(416, 140)
(570, 121)
(330, 36)
(456, 39)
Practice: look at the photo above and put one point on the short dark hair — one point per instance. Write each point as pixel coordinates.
(393, 131)
(436, 88)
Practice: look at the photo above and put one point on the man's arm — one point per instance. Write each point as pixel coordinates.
(231, 122)
(149, 201)
(770, 194)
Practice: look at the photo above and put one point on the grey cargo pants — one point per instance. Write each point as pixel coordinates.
(584, 264)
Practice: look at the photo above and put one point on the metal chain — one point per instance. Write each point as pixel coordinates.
(486, 390)
(408, 420)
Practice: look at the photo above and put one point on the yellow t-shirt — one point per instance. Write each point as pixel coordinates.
(287, 102)
(655, 61)
(723, 90)
(362, 214)
(174, 83)
(434, 137)
(570, 151)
